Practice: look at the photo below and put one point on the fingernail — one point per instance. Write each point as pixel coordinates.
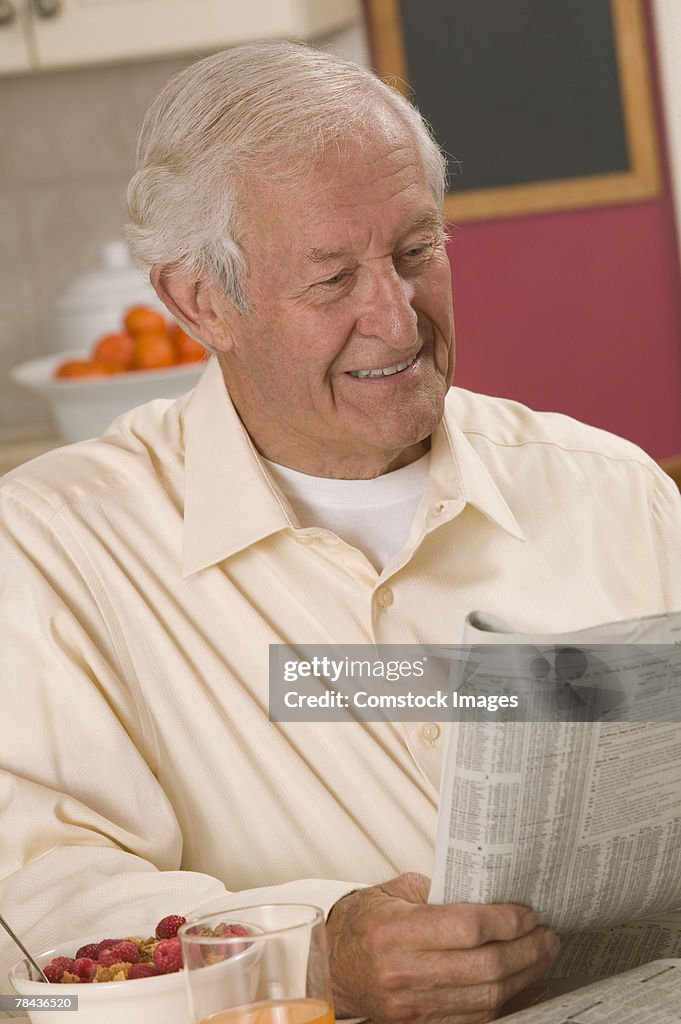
(530, 921)
(552, 941)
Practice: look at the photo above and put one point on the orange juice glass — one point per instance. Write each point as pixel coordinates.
(258, 965)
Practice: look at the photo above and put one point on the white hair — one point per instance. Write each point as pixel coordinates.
(270, 109)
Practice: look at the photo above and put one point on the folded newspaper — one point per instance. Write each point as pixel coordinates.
(576, 817)
(646, 995)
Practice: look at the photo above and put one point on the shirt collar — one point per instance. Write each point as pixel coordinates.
(458, 473)
(231, 502)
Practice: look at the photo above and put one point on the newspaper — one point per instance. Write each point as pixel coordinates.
(651, 993)
(580, 820)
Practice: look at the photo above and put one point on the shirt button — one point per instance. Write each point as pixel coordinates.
(440, 507)
(430, 732)
(384, 597)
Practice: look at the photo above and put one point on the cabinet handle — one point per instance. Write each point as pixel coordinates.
(7, 13)
(45, 8)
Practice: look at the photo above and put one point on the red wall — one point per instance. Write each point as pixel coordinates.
(577, 313)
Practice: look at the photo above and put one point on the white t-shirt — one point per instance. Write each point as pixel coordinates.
(375, 516)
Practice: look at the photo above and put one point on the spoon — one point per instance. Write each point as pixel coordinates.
(22, 948)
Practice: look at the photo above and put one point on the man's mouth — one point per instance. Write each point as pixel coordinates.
(384, 371)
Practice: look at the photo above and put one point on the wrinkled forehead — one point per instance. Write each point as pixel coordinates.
(288, 159)
(383, 133)
(363, 161)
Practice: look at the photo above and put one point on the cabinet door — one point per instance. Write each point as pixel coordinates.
(14, 45)
(90, 31)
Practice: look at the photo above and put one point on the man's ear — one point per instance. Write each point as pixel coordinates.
(196, 304)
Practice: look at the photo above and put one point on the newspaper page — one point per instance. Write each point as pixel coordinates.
(651, 993)
(601, 952)
(580, 819)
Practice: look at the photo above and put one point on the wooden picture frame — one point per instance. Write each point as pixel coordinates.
(640, 180)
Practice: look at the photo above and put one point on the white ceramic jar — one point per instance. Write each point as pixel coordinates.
(94, 303)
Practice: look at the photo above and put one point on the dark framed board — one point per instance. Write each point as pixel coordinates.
(541, 105)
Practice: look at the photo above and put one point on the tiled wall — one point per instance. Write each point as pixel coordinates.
(67, 143)
(67, 153)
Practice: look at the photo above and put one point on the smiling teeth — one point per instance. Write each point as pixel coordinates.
(386, 372)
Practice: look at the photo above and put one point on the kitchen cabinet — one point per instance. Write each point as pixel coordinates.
(50, 34)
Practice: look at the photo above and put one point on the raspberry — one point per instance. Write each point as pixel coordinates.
(121, 952)
(168, 956)
(85, 968)
(105, 943)
(232, 929)
(231, 948)
(91, 951)
(167, 927)
(56, 967)
(143, 971)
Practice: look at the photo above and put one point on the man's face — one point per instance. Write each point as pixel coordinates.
(347, 276)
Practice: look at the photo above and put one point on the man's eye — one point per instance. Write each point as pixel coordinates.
(339, 278)
(418, 251)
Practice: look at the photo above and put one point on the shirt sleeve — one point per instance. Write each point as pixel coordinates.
(90, 842)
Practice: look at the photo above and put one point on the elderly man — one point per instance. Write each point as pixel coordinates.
(320, 484)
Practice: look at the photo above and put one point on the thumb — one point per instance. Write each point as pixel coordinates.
(411, 887)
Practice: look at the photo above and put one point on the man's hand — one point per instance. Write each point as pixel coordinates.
(396, 958)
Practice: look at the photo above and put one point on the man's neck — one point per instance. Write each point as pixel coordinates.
(350, 467)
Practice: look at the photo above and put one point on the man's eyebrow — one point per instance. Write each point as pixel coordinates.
(430, 220)
(324, 255)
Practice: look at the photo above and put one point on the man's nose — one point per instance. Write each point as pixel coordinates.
(387, 312)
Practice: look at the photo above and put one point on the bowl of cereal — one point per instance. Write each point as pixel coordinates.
(136, 979)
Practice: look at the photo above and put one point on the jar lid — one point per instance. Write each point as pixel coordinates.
(115, 280)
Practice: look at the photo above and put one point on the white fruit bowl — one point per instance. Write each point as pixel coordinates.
(162, 999)
(84, 407)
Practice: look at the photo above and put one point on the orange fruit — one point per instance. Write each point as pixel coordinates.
(188, 349)
(141, 319)
(153, 350)
(115, 348)
(88, 368)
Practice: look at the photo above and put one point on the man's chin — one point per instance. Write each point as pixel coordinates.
(406, 445)
(410, 454)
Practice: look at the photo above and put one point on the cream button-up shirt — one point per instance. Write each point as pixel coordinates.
(143, 576)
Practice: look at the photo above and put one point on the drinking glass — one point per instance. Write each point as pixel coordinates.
(272, 968)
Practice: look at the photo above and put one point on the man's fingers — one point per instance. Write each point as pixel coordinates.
(492, 996)
(486, 965)
(418, 996)
(397, 958)
(495, 961)
(456, 925)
